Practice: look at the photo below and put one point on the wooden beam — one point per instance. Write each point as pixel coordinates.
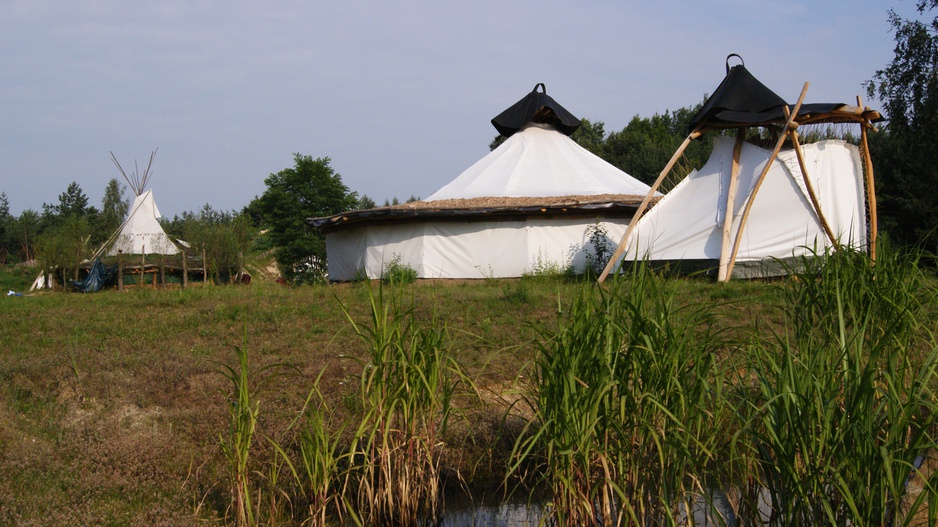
(791, 124)
(870, 187)
(644, 205)
(730, 202)
(810, 188)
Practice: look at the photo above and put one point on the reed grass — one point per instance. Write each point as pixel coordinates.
(407, 384)
(627, 403)
(845, 407)
(236, 446)
(318, 471)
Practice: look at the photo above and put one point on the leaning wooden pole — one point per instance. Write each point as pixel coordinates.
(870, 185)
(810, 188)
(644, 205)
(730, 202)
(790, 124)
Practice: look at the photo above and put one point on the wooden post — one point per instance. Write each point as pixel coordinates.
(162, 272)
(790, 124)
(811, 194)
(120, 270)
(143, 263)
(185, 271)
(204, 268)
(728, 215)
(644, 205)
(870, 185)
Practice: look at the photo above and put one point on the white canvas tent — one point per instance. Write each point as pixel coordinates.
(685, 228)
(527, 205)
(757, 206)
(539, 161)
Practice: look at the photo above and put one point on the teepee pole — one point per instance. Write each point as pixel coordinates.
(811, 194)
(730, 202)
(870, 185)
(790, 125)
(644, 205)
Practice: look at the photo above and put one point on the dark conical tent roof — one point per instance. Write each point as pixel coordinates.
(740, 98)
(535, 107)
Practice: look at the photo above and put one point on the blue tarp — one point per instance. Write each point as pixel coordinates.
(98, 277)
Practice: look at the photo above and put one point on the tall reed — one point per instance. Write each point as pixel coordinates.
(407, 384)
(236, 446)
(845, 406)
(628, 403)
(318, 470)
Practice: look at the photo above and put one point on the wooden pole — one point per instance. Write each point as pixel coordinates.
(120, 270)
(185, 271)
(810, 188)
(162, 272)
(143, 263)
(204, 269)
(870, 185)
(644, 205)
(790, 124)
(730, 205)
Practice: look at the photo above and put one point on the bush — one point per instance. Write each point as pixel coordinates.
(397, 272)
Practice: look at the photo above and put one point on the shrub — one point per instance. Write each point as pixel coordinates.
(397, 272)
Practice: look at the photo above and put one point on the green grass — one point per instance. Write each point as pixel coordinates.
(111, 404)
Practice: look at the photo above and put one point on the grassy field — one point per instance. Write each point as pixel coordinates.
(115, 408)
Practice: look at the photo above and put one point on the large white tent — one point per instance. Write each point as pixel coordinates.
(538, 161)
(529, 204)
(685, 228)
(749, 208)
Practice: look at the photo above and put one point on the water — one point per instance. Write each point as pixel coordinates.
(715, 511)
(511, 514)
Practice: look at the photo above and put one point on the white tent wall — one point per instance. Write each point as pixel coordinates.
(485, 249)
(687, 223)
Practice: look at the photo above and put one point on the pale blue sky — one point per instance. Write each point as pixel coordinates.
(398, 94)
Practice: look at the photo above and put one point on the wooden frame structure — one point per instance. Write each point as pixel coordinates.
(785, 121)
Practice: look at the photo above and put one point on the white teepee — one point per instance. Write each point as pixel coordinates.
(141, 232)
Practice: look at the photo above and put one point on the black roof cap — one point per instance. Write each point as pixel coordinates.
(535, 107)
(739, 94)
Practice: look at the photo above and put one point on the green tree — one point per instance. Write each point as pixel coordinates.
(7, 246)
(224, 236)
(904, 156)
(646, 144)
(72, 202)
(591, 136)
(366, 203)
(64, 246)
(113, 210)
(310, 189)
(25, 234)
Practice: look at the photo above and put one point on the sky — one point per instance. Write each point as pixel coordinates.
(399, 95)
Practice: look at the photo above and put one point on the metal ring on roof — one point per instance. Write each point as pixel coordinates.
(731, 55)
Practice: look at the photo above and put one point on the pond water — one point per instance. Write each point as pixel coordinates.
(715, 511)
(518, 514)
